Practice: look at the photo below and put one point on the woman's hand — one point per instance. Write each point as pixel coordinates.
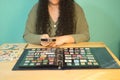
(59, 40)
(62, 40)
(45, 43)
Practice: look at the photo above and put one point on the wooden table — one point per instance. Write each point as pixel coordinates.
(6, 72)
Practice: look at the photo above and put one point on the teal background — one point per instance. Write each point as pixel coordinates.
(102, 17)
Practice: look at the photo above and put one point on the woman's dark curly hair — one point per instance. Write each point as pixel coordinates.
(65, 20)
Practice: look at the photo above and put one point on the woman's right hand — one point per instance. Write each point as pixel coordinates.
(45, 43)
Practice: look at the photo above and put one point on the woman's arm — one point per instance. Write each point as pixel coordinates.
(82, 30)
(30, 31)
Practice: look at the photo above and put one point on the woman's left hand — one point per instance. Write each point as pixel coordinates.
(62, 40)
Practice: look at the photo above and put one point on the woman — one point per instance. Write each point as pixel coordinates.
(63, 20)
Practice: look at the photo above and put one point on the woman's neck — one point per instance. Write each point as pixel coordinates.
(53, 3)
(54, 12)
(53, 6)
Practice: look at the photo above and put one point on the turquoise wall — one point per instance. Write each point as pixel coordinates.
(102, 17)
(13, 15)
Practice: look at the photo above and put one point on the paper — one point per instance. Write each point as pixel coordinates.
(9, 55)
(10, 52)
(13, 46)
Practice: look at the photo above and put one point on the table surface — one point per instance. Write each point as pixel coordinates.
(6, 72)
